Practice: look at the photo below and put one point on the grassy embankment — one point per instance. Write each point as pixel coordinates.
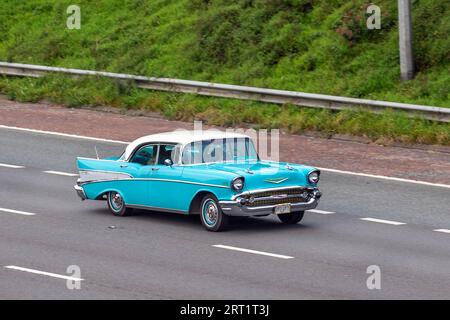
(305, 45)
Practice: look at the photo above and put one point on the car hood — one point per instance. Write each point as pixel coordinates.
(265, 174)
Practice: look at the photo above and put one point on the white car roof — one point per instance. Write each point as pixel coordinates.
(182, 137)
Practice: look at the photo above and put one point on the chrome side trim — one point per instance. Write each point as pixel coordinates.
(154, 179)
(95, 159)
(136, 206)
(99, 175)
(186, 182)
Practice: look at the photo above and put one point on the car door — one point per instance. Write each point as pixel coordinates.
(165, 191)
(140, 167)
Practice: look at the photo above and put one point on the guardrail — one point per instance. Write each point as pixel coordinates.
(239, 92)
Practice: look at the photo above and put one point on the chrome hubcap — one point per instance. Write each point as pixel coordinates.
(117, 201)
(210, 212)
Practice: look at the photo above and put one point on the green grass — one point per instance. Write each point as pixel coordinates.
(319, 46)
(383, 128)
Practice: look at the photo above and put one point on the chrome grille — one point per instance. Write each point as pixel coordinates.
(269, 197)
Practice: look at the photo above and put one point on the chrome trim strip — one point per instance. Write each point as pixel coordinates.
(162, 180)
(136, 206)
(99, 175)
(106, 171)
(95, 159)
(227, 202)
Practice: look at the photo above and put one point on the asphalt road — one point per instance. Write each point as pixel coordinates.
(165, 256)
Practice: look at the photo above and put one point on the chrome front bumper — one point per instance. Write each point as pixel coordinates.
(236, 208)
(80, 192)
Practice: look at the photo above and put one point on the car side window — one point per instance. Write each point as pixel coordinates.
(145, 155)
(166, 151)
(192, 153)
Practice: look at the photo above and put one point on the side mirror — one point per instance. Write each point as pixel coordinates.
(168, 162)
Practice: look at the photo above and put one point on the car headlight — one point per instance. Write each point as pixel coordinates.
(237, 184)
(314, 177)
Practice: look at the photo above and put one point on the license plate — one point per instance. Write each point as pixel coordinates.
(282, 208)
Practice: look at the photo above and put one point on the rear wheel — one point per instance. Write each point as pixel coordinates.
(213, 219)
(291, 218)
(117, 205)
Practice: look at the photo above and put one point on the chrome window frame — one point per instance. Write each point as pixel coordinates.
(136, 151)
(158, 144)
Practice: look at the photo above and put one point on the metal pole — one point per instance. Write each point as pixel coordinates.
(405, 40)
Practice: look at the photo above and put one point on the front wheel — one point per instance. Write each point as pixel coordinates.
(291, 218)
(117, 205)
(213, 219)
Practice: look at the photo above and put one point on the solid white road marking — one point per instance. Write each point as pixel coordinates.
(320, 211)
(395, 223)
(59, 173)
(387, 178)
(62, 134)
(442, 230)
(280, 256)
(17, 212)
(12, 166)
(323, 169)
(43, 273)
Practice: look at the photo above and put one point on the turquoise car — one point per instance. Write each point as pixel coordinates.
(217, 175)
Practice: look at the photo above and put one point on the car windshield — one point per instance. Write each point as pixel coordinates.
(219, 150)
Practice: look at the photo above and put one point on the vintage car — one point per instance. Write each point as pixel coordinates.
(217, 175)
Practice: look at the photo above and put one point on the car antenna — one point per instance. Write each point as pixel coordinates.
(96, 152)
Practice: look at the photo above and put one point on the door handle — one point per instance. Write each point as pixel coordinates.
(155, 169)
(124, 166)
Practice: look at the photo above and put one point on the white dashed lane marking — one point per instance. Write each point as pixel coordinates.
(59, 173)
(43, 273)
(11, 166)
(24, 213)
(274, 255)
(425, 183)
(321, 211)
(62, 134)
(442, 230)
(395, 223)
